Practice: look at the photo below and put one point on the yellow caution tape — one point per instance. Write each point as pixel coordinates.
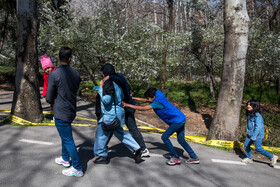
(5, 110)
(51, 112)
(195, 139)
(86, 119)
(21, 121)
(47, 112)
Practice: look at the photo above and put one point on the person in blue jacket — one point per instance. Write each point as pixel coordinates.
(172, 117)
(255, 133)
(111, 96)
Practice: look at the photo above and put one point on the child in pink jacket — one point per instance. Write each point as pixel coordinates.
(48, 67)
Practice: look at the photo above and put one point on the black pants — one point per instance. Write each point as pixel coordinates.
(132, 127)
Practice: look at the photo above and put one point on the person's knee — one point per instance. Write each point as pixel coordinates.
(181, 141)
(164, 137)
(259, 149)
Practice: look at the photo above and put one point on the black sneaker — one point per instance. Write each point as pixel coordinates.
(101, 160)
(137, 156)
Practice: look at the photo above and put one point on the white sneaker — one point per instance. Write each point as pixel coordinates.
(273, 161)
(247, 160)
(145, 153)
(73, 172)
(60, 161)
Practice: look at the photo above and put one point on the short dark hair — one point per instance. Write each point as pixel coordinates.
(108, 69)
(255, 105)
(65, 53)
(150, 92)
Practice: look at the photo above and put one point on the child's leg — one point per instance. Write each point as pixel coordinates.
(248, 142)
(165, 138)
(258, 145)
(182, 141)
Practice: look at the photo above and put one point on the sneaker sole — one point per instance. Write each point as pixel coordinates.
(67, 166)
(195, 162)
(274, 163)
(147, 155)
(173, 164)
(72, 175)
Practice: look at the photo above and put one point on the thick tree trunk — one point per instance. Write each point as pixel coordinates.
(225, 124)
(26, 101)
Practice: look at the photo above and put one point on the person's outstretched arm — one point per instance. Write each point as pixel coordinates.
(139, 99)
(147, 107)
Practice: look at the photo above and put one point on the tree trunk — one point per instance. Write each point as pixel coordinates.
(26, 101)
(278, 86)
(211, 85)
(4, 30)
(226, 119)
(163, 75)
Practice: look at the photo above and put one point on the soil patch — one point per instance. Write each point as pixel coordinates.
(7, 86)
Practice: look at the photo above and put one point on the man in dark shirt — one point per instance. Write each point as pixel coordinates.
(63, 84)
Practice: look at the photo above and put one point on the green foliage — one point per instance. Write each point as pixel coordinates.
(46, 120)
(87, 86)
(193, 95)
(263, 54)
(7, 69)
(271, 122)
(252, 91)
(220, 148)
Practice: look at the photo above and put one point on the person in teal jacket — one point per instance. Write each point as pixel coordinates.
(172, 117)
(111, 96)
(255, 133)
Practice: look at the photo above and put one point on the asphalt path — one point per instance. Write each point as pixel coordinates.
(27, 157)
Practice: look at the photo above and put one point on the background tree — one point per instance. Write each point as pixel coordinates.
(9, 10)
(225, 124)
(207, 37)
(263, 63)
(26, 101)
(7, 32)
(170, 26)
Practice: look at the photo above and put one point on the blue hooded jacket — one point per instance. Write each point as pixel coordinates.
(108, 106)
(255, 126)
(169, 114)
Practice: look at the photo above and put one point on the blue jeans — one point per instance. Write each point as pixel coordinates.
(101, 138)
(258, 145)
(68, 145)
(179, 128)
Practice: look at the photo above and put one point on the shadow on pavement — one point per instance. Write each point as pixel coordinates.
(85, 154)
(85, 107)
